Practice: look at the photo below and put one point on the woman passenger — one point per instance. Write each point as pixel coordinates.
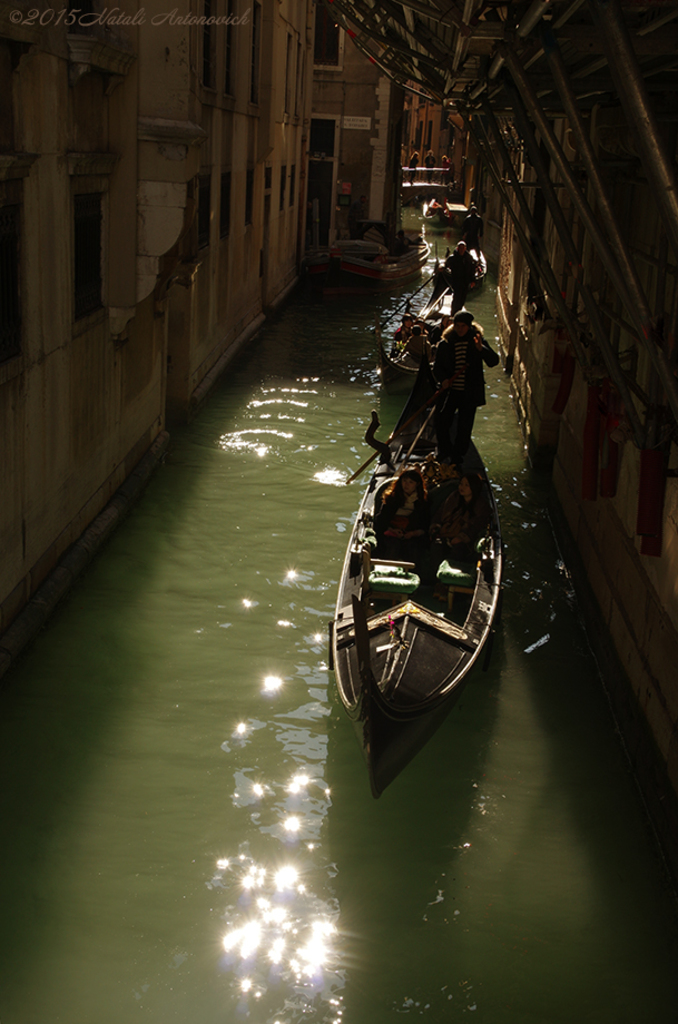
(462, 519)
(402, 522)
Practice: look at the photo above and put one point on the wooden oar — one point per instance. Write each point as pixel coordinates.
(406, 424)
(419, 433)
(407, 302)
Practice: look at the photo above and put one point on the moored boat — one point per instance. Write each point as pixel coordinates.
(399, 670)
(350, 274)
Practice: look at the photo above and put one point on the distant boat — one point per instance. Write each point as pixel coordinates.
(443, 215)
(363, 266)
(399, 670)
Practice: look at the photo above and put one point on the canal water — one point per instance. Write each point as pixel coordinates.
(188, 830)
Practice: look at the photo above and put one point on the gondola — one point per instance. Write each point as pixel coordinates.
(399, 374)
(443, 216)
(400, 669)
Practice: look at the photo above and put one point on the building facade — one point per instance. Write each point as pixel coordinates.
(354, 139)
(152, 191)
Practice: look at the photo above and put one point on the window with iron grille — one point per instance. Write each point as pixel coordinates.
(254, 60)
(225, 205)
(204, 210)
(249, 195)
(283, 183)
(326, 43)
(208, 54)
(322, 136)
(87, 253)
(10, 301)
(229, 52)
(293, 174)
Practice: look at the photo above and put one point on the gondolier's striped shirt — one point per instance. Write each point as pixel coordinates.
(460, 346)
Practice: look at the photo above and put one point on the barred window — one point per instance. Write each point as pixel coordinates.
(10, 302)
(322, 136)
(283, 183)
(293, 174)
(208, 47)
(326, 44)
(249, 195)
(229, 52)
(225, 205)
(256, 45)
(87, 252)
(204, 210)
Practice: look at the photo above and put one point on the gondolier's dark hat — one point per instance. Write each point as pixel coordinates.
(464, 318)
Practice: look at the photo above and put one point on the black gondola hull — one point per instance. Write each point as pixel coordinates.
(400, 671)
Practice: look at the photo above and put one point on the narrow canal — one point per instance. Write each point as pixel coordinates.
(188, 831)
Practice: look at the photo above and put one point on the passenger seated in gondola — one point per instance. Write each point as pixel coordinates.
(401, 244)
(462, 520)
(437, 332)
(416, 348)
(402, 335)
(402, 522)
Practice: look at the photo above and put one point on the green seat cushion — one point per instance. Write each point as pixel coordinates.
(392, 579)
(455, 575)
(370, 538)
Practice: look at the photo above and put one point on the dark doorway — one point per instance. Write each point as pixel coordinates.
(320, 182)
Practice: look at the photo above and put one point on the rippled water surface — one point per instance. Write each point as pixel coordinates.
(188, 832)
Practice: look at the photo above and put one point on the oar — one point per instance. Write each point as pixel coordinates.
(419, 433)
(407, 301)
(406, 424)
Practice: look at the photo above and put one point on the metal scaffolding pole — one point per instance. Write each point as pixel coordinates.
(629, 82)
(533, 251)
(590, 302)
(637, 303)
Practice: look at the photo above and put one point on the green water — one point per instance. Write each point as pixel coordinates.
(188, 832)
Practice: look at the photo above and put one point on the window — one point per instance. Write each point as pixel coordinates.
(268, 176)
(288, 75)
(322, 136)
(300, 78)
(204, 210)
(283, 183)
(208, 54)
(293, 174)
(225, 205)
(254, 61)
(326, 45)
(229, 52)
(249, 195)
(10, 301)
(87, 253)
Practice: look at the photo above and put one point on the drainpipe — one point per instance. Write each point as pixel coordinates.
(628, 79)
(591, 303)
(627, 281)
(537, 260)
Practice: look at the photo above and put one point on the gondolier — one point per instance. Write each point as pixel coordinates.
(472, 229)
(460, 269)
(458, 367)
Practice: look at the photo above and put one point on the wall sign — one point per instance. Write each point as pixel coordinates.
(357, 122)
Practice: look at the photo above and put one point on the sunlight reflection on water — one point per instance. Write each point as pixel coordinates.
(279, 938)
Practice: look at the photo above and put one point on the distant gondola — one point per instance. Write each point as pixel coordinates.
(399, 670)
(398, 374)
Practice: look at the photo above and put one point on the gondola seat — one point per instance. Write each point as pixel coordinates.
(459, 578)
(389, 581)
